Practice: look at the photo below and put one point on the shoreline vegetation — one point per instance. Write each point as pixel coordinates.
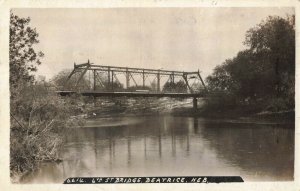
(183, 108)
(280, 117)
(38, 116)
(37, 135)
(258, 84)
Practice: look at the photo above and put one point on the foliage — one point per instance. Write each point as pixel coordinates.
(178, 87)
(38, 117)
(115, 86)
(37, 127)
(61, 81)
(274, 42)
(153, 85)
(264, 71)
(23, 59)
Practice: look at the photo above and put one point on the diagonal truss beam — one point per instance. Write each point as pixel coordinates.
(133, 79)
(187, 82)
(203, 84)
(82, 74)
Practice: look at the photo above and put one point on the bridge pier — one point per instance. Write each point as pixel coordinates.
(194, 103)
(94, 101)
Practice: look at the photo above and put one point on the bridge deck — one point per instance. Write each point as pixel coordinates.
(132, 94)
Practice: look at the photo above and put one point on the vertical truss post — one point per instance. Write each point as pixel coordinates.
(127, 79)
(143, 78)
(172, 78)
(158, 82)
(112, 80)
(108, 78)
(94, 79)
(187, 82)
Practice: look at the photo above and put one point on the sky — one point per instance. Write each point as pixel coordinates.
(183, 39)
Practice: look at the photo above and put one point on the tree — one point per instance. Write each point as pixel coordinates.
(38, 116)
(115, 86)
(23, 59)
(264, 71)
(178, 87)
(153, 86)
(221, 79)
(274, 41)
(61, 81)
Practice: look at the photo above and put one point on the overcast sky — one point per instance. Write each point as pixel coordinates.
(170, 38)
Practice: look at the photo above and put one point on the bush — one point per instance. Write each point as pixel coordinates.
(38, 121)
(277, 104)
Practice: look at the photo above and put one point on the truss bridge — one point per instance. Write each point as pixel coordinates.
(89, 79)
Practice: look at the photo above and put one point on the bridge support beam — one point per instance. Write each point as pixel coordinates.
(112, 80)
(187, 82)
(143, 79)
(201, 80)
(158, 82)
(127, 79)
(94, 78)
(195, 103)
(172, 78)
(108, 78)
(81, 75)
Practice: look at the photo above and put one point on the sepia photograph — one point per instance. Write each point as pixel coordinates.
(152, 92)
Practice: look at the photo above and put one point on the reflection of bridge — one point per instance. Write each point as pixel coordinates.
(94, 80)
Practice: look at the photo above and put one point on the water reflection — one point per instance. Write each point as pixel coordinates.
(268, 151)
(161, 146)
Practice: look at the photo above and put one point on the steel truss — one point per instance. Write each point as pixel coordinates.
(111, 72)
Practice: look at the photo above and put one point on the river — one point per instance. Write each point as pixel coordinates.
(169, 146)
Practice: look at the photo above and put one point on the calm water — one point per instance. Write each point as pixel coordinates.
(162, 146)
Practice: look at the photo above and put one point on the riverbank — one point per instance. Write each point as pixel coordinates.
(176, 107)
(238, 114)
(37, 129)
